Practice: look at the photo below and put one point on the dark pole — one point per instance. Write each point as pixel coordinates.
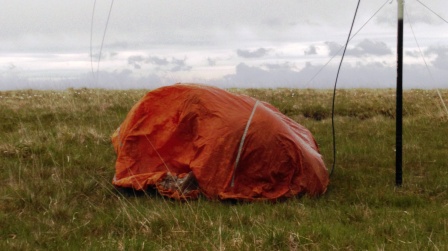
(399, 111)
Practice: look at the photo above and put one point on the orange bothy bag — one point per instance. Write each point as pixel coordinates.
(185, 140)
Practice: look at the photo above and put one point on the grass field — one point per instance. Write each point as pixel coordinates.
(57, 162)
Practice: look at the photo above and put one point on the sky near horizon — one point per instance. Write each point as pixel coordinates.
(47, 44)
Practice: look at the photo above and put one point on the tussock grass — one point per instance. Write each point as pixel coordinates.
(57, 162)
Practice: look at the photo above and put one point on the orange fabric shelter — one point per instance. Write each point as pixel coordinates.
(185, 140)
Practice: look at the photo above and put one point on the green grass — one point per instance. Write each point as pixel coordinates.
(57, 162)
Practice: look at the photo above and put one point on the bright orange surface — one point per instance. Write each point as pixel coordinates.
(185, 128)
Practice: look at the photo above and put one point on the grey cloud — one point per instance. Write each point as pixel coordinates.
(158, 61)
(311, 50)
(121, 79)
(333, 48)
(273, 22)
(418, 76)
(11, 67)
(365, 47)
(254, 76)
(414, 53)
(136, 61)
(105, 55)
(180, 65)
(286, 66)
(441, 60)
(137, 58)
(164, 64)
(136, 66)
(361, 75)
(118, 79)
(258, 53)
(211, 62)
(369, 47)
(257, 77)
(113, 54)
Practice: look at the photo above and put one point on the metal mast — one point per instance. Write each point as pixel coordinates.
(399, 105)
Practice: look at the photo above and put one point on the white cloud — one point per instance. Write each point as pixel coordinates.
(170, 41)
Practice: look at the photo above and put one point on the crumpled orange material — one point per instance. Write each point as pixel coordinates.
(195, 130)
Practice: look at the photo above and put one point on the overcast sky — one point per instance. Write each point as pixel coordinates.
(252, 43)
